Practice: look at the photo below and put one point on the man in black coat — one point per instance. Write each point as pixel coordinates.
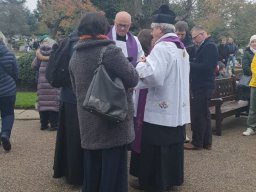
(202, 74)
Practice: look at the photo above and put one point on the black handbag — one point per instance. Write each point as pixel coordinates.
(105, 96)
(244, 81)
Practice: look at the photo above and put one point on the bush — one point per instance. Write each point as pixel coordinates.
(26, 73)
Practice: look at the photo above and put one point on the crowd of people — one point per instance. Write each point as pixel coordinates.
(169, 74)
(227, 54)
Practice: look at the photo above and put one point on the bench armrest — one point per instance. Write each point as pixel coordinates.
(216, 101)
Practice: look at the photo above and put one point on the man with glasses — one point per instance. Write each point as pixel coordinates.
(119, 33)
(202, 74)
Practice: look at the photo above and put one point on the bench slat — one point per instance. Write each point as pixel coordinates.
(230, 106)
(224, 102)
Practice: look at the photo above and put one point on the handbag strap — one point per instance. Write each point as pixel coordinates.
(102, 51)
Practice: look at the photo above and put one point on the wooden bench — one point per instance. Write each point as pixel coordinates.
(225, 103)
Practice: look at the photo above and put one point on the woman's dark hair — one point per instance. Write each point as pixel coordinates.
(93, 24)
(145, 39)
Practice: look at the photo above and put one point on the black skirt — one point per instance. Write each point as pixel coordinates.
(68, 159)
(105, 170)
(160, 165)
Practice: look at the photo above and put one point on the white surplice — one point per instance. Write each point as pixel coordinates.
(166, 75)
(123, 46)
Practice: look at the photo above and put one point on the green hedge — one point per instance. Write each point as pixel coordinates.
(26, 73)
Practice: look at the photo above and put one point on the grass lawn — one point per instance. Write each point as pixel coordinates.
(25, 100)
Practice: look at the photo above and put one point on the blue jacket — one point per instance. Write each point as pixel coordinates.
(8, 72)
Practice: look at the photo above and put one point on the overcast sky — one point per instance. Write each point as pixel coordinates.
(31, 4)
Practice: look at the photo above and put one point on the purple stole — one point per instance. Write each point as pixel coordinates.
(131, 44)
(175, 40)
(138, 120)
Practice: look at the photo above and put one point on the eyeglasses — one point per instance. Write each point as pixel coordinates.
(197, 35)
(122, 26)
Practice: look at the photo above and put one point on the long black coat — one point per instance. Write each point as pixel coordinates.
(202, 69)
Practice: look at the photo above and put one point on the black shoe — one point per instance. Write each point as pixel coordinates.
(6, 144)
(43, 128)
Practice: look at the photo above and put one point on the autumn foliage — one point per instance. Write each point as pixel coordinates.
(62, 14)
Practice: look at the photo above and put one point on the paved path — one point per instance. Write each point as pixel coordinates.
(229, 167)
(22, 114)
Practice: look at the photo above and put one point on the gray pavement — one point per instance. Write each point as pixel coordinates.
(228, 167)
(23, 114)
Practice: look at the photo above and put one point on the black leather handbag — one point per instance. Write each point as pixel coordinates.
(105, 96)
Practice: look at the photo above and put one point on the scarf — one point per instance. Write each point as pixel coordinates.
(253, 50)
(84, 37)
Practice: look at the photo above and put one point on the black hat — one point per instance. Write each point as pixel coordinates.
(163, 15)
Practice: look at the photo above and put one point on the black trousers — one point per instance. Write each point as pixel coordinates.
(200, 118)
(105, 170)
(49, 117)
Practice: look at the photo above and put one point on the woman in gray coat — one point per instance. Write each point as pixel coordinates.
(104, 143)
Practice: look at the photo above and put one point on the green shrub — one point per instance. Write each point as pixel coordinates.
(26, 73)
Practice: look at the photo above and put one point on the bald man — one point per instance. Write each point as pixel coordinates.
(119, 33)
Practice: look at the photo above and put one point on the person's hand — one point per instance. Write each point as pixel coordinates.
(142, 59)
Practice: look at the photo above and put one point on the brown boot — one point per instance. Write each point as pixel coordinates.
(190, 146)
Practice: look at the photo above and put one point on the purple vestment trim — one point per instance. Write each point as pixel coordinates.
(138, 120)
(131, 44)
(175, 40)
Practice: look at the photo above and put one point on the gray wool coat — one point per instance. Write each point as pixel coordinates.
(96, 132)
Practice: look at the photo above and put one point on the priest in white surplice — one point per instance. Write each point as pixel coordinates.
(124, 39)
(165, 74)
